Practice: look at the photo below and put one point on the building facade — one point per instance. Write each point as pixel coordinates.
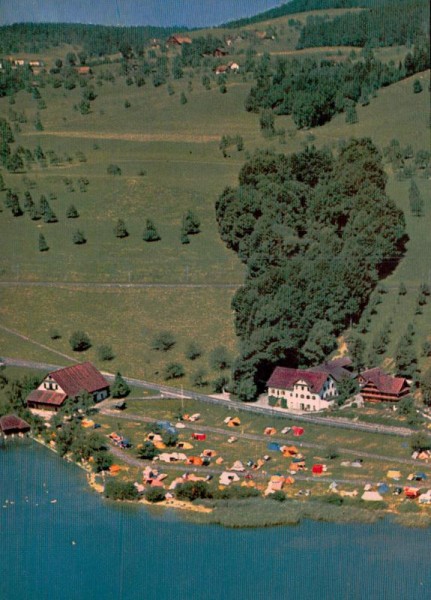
(298, 389)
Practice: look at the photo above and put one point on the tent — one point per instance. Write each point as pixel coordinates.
(270, 431)
(411, 492)
(371, 496)
(199, 436)
(227, 478)
(194, 460)
(383, 488)
(184, 446)
(273, 446)
(234, 422)
(237, 466)
(317, 469)
(297, 431)
(289, 450)
(393, 475)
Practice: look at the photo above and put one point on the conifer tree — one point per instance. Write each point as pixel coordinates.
(72, 212)
(415, 199)
(150, 232)
(119, 388)
(120, 230)
(43, 246)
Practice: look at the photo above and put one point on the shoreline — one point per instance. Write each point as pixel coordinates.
(231, 513)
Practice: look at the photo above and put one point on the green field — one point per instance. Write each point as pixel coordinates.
(177, 147)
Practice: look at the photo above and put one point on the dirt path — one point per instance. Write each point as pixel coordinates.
(28, 339)
(131, 137)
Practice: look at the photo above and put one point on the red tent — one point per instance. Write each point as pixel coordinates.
(317, 469)
(297, 430)
(199, 436)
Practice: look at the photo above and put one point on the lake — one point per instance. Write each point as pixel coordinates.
(85, 548)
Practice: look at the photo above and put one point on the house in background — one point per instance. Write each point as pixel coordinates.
(68, 383)
(377, 386)
(299, 389)
(178, 40)
(337, 368)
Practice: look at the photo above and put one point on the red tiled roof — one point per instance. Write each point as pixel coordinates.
(12, 422)
(284, 377)
(383, 382)
(81, 377)
(49, 397)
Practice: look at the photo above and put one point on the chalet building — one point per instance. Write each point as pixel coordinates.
(10, 424)
(377, 386)
(178, 40)
(68, 383)
(220, 52)
(231, 66)
(221, 69)
(83, 70)
(302, 390)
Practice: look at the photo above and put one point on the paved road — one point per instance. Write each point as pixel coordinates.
(236, 406)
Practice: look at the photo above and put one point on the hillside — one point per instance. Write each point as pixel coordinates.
(170, 162)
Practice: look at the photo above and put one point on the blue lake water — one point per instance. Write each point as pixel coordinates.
(84, 548)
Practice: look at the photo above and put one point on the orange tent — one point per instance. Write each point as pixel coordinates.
(194, 460)
(270, 431)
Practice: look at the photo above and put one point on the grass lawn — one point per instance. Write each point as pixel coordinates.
(177, 147)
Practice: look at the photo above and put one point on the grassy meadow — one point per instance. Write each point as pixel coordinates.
(170, 160)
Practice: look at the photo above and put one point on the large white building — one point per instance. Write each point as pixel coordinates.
(298, 389)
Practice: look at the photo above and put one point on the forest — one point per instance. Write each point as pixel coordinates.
(390, 24)
(313, 91)
(316, 232)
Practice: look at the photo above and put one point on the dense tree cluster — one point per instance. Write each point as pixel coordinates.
(315, 232)
(313, 90)
(391, 23)
(297, 6)
(96, 40)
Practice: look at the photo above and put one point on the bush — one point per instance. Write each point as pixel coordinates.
(54, 334)
(163, 341)
(79, 341)
(79, 237)
(199, 378)
(192, 490)
(279, 496)
(155, 494)
(120, 490)
(272, 400)
(113, 170)
(219, 383)
(220, 358)
(173, 371)
(105, 353)
(193, 351)
(148, 451)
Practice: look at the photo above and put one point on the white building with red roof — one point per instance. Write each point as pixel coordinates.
(68, 383)
(299, 389)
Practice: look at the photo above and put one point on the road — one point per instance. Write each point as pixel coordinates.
(234, 405)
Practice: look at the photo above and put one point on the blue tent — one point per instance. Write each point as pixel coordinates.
(383, 488)
(274, 446)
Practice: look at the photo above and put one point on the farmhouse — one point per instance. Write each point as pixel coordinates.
(301, 390)
(83, 70)
(377, 386)
(178, 40)
(68, 383)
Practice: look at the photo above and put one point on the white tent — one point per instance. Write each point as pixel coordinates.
(371, 496)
